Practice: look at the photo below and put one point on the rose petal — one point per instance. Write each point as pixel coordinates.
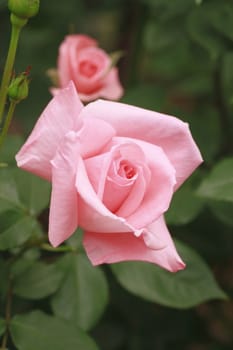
(159, 185)
(160, 189)
(167, 132)
(116, 192)
(112, 89)
(64, 68)
(93, 213)
(76, 44)
(97, 170)
(68, 51)
(115, 247)
(98, 59)
(134, 198)
(159, 229)
(60, 116)
(93, 136)
(63, 217)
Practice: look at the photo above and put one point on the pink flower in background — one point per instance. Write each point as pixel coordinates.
(90, 68)
(114, 169)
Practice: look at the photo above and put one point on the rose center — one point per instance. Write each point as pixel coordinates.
(88, 68)
(127, 170)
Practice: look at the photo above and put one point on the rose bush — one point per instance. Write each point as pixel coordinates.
(89, 67)
(114, 169)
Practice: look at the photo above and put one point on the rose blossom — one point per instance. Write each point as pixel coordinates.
(114, 169)
(89, 67)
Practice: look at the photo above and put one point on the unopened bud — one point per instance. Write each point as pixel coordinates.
(18, 89)
(24, 8)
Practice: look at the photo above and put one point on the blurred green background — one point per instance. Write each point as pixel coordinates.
(178, 59)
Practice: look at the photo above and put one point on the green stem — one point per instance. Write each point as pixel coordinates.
(60, 249)
(7, 122)
(17, 25)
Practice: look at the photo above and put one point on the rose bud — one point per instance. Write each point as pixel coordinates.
(18, 88)
(92, 70)
(24, 8)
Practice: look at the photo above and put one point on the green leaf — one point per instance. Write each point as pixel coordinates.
(38, 331)
(83, 295)
(185, 205)
(33, 192)
(219, 184)
(184, 289)
(25, 262)
(38, 281)
(8, 193)
(2, 326)
(223, 211)
(209, 136)
(10, 147)
(15, 229)
(22, 190)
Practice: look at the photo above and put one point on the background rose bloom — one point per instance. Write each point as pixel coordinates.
(114, 169)
(89, 67)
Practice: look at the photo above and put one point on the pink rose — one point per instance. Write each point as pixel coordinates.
(114, 169)
(89, 67)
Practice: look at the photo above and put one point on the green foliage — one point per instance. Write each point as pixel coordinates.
(184, 289)
(223, 211)
(186, 205)
(37, 331)
(18, 189)
(21, 199)
(9, 148)
(145, 96)
(19, 229)
(219, 184)
(38, 280)
(8, 192)
(83, 294)
(217, 190)
(36, 197)
(205, 126)
(211, 26)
